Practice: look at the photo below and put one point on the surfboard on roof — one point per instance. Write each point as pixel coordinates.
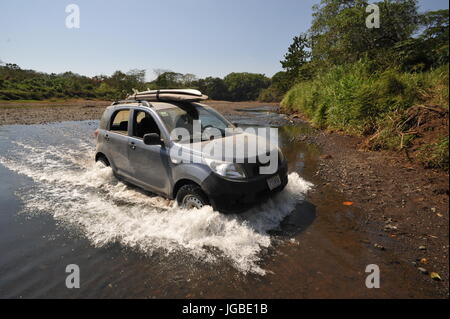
(180, 95)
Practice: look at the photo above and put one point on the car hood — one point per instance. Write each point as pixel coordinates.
(237, 147)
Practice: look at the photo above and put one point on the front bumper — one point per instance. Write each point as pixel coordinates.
(234, 196)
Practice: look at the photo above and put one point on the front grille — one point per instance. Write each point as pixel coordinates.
(252, 169)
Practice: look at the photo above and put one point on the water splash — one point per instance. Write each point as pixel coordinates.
(85, 195)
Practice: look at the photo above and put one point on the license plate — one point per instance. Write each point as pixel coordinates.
(274, 182)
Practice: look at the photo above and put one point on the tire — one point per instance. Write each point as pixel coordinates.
(191, 196)
(103, 160)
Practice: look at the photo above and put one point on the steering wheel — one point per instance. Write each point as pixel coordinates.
(207, 126)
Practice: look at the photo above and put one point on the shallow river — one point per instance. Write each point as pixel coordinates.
(57, 207)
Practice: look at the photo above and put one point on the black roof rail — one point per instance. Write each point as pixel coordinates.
(145, 103)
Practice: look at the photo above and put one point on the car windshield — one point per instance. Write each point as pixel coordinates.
(183, 116)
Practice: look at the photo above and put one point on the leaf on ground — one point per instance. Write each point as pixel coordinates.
(347, 203)
(435, 276)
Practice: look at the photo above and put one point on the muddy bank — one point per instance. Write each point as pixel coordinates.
(404, 205)
(47, 112)
(41, 112)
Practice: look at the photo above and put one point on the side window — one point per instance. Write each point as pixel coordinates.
(119, 122)
(208, 118)
(144, 123)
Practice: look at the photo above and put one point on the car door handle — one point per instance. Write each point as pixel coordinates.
(132, 146)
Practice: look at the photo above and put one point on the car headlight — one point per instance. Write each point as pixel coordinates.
(226, 169)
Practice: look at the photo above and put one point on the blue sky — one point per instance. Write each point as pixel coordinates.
(203, 37)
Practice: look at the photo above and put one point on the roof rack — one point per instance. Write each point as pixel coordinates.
(173, 95)
(145, 103)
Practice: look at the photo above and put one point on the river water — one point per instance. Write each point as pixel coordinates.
(57, 207)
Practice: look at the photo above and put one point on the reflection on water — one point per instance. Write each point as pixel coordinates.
(296, 151)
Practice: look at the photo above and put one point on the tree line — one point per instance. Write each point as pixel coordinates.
(407, 41)
(21, 84)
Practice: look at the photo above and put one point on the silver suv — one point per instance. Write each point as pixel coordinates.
(135, 137)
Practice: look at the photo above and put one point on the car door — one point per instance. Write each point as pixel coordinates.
(150, 164)
(117, 139)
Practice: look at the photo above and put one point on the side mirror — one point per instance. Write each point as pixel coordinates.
(152, 139)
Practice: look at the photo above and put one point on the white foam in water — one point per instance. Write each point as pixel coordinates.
(79, 193)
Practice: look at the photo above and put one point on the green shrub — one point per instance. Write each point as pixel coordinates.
(271, 94)
(356, 100)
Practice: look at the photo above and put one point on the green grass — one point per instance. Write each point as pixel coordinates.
(356, 100)
(435, 155)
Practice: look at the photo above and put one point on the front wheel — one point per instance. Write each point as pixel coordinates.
(191, 196)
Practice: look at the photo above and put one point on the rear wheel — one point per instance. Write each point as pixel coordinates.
(191, 196)
(102, 159)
